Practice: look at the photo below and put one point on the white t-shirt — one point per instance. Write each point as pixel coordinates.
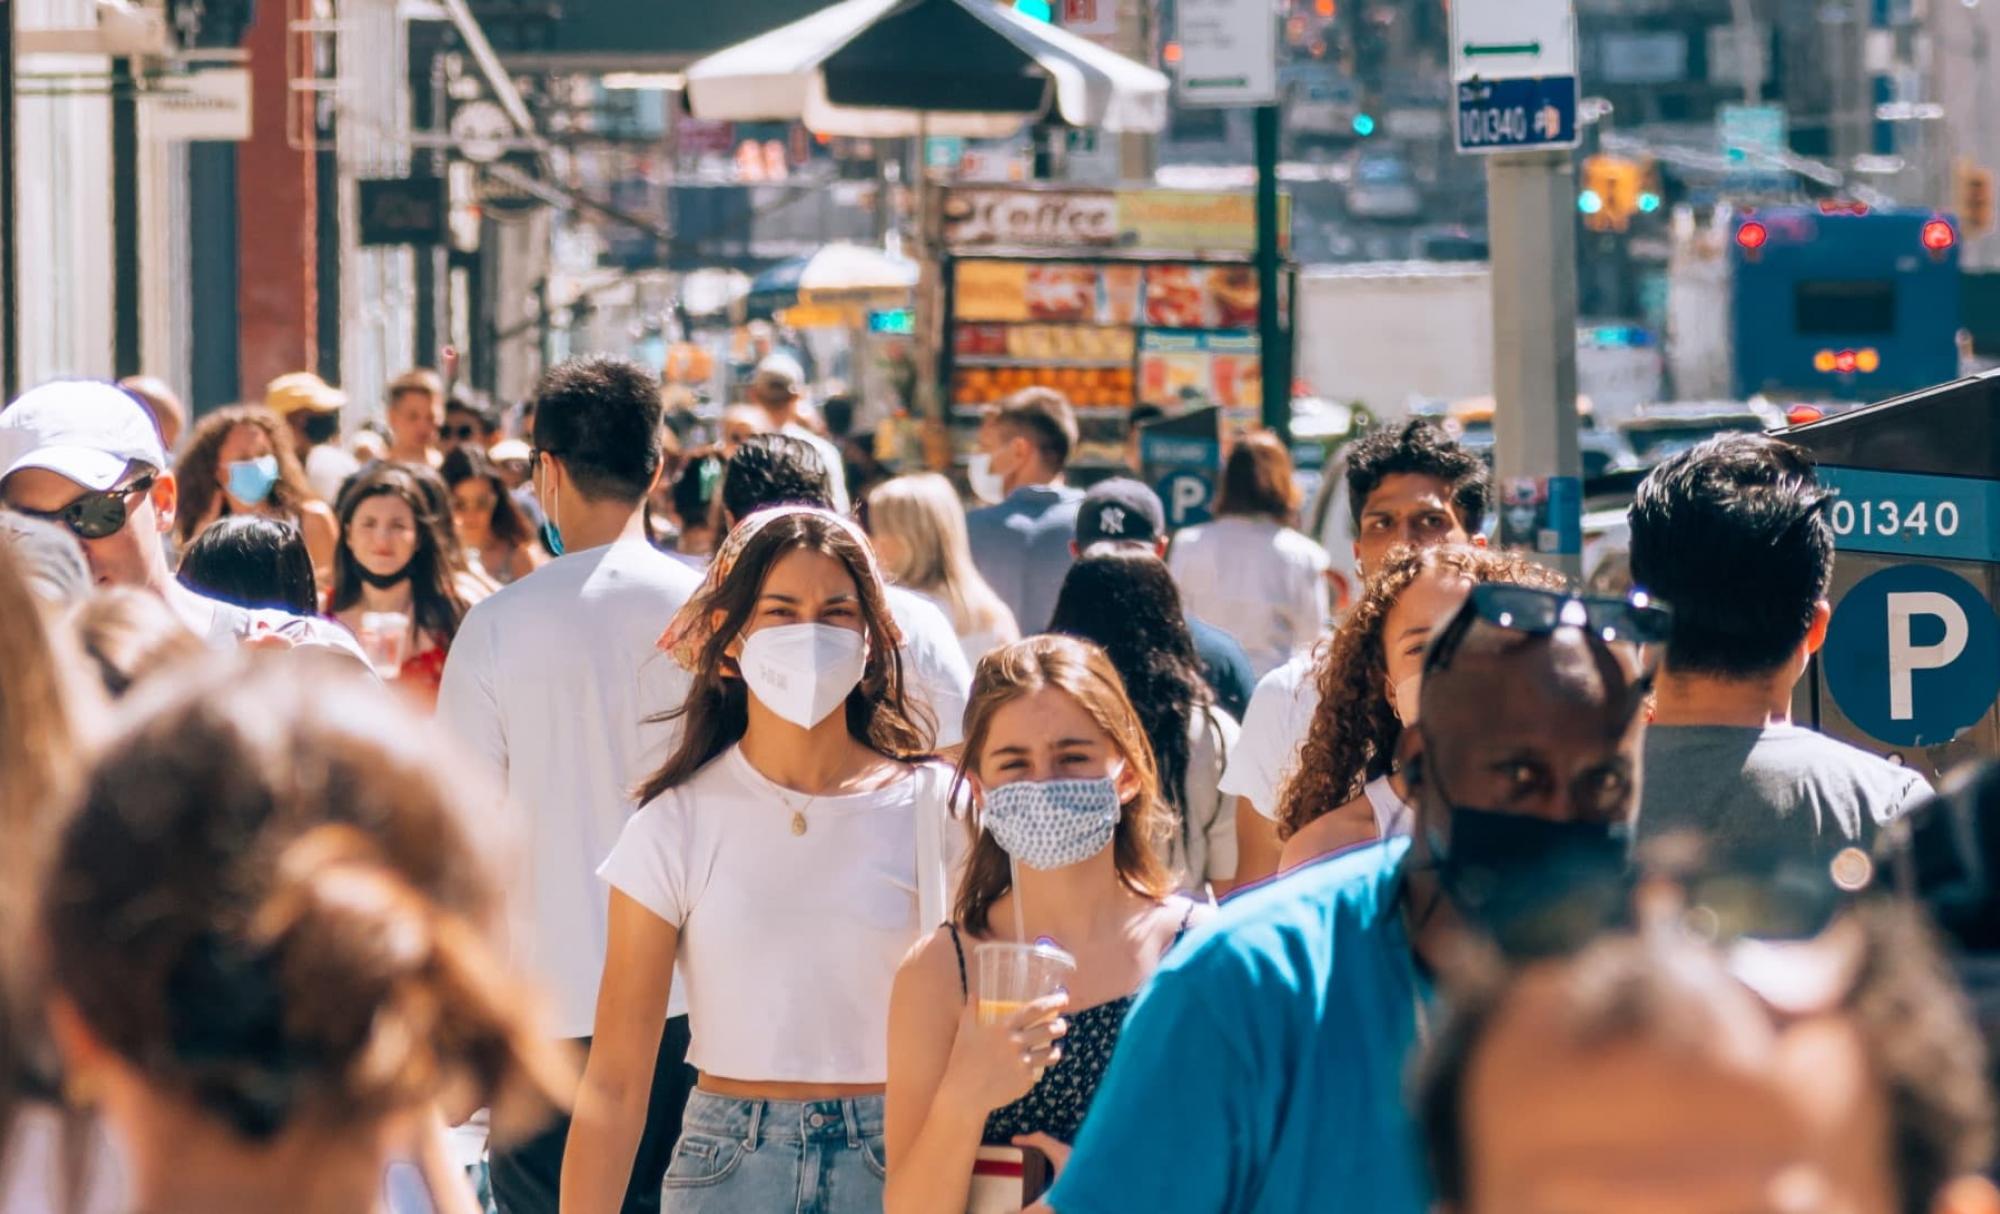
(232, 625)
(933, 662)
(789, 942)
(551, 681)
(1260, 582)
(327, 469)
(1274, 730)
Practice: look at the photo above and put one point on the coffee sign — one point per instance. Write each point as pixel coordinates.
(977, 218)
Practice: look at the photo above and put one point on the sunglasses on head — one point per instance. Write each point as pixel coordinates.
(1633, 620)
(100, 513)
(461, 433)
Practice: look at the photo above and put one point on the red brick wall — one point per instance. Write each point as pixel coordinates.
(277, 295)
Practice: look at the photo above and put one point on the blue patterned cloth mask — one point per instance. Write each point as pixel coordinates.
(1053, 823)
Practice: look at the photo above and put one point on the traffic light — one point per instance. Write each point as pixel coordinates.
(1039, 10)
(1621, 188)
(1975, 198)
(1364, 125)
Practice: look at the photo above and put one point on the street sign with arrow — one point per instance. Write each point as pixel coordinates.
(1514, 70)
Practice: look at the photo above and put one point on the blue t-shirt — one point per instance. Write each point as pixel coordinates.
(1265, 1066)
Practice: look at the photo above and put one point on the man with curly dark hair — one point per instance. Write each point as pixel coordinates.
(1409, 485)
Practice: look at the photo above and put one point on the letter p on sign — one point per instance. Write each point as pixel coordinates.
(1913, 655)
(1906, 656)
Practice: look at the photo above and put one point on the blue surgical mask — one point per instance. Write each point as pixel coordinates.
(251, 480)
(552, 538)
(1051, 824)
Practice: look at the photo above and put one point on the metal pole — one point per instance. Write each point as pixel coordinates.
(10, 333)
(126, 354)
(1136, 152)
(1272, 341)
(1531, 210)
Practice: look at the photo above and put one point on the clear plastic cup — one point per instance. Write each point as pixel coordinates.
(1009, 976)
(385, 639)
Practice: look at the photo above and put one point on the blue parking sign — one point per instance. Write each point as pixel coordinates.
(1187, 494)
(1514, 115)
(1913, 655)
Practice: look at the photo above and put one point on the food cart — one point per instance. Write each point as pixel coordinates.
(1114, 298)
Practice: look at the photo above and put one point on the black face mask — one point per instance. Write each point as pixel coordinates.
(1536, 888)
(382, 581)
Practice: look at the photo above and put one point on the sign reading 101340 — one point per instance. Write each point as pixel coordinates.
(1514, 72)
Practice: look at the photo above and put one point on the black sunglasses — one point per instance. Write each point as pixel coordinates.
(98, 514)
(1634, 620)
(461, 433)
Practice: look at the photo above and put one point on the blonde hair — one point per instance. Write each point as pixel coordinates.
(923, 513)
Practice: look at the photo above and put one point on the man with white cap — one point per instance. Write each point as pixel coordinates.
(779, 386)
(88, 457)
(311, 407)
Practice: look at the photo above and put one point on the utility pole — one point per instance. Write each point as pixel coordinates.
(1136, 152)
(127, 354)
(1514, 74)
(1273, 341)
(1531, 204)
(10, 331)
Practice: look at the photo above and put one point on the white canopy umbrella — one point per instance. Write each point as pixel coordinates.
(838, 275)
(891, 69)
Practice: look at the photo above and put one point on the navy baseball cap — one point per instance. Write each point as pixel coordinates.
(1121, 510)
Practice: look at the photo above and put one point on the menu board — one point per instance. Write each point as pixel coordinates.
(1184, 370)
(1201, 297)
(1107, 335)
(1075, 292)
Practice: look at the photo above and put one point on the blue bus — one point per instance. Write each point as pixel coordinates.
(1840, 302)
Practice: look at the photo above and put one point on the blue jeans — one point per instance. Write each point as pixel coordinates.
(777, 1157)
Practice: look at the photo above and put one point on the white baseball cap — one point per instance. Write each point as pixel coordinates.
(87, 431)
(781, 370)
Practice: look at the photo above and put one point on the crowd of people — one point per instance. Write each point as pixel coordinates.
(542, 814)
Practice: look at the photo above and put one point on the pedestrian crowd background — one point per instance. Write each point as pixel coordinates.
(570, 821)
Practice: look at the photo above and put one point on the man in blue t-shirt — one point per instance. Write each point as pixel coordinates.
(1264, 1067)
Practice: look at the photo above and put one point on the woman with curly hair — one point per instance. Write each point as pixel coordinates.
(1346, 790)
(240, 461)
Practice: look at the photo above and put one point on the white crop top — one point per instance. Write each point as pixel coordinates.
(789, 942)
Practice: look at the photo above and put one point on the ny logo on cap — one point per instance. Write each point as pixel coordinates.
(1112, 521)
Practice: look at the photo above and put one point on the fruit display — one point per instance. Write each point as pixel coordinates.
(1086, 387)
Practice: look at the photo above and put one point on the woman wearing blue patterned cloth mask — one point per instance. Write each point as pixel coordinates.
(1070, 823)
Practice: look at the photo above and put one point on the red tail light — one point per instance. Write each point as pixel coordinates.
(1938, 236)
(1753, 235)
(1799, 415)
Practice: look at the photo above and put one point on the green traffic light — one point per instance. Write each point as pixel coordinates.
(1364, 125)
(1589, 202)
(1038, 9)
(1649, 203)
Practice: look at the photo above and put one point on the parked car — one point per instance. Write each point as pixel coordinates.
(1663, 430)
(1383, 188)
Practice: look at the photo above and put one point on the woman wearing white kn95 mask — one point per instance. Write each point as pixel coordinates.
(986, 1092)
(787, 855)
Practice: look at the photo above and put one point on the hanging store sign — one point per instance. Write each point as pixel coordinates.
(1180, 221)
(209, 105)
(404, 210)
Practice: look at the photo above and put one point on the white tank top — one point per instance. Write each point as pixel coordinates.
(1392, 815)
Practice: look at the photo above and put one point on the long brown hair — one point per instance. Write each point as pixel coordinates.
(267, 904)
(1257, 480)
(1079, 669)
(1355, 730)
(434, 593)
(41, 753)
(199, 472)
(716, 712)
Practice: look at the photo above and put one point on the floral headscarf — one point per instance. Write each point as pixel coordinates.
(691, 629)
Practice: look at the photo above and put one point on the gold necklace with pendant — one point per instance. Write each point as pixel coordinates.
(799, 814)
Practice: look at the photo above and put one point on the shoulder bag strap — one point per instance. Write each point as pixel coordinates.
(933, 880)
